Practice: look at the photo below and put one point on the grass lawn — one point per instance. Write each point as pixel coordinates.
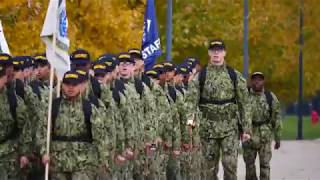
(289, 131)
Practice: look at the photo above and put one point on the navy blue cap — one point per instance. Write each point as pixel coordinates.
(72, 78)
(191, 61)
(109, 59)
(83, 74)
(154, 74)
(216, 44)
(80, 57)
(135, 53)
(41, 59)
(183, 69)
(159, 68)
(256, 74)
(27, 61)
(18, 63)
(125, 57)
(5, 59)
(99, 69)
(168, 67)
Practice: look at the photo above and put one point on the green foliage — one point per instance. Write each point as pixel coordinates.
(116, 25)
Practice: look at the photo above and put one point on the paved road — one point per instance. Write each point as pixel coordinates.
(296, 160)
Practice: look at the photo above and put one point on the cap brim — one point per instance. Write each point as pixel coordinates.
(99, 71)
(217, 47)
(80, 62)
(126, 60)
(256, 75)
(71, 82)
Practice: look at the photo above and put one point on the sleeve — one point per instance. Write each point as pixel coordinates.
(276, 118)
(103, 134)
(244, 105)
(24, 125)
(127, 115)
(150, 119)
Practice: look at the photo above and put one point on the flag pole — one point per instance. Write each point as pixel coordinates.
(50, 106)
(169, 31)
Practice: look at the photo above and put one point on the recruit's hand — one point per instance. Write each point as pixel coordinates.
(187, 147)
(176, 153)
(277, 145)
(45, 159)
(129, 154)
(245, 137)
(120, 160)
(24, 161)
(150, 149)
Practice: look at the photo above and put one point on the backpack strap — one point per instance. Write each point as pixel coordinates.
(139, 86)
(180, 89)
(172, 93)
(15, 131)
(116, 94)
(233, 76)
(87, 110)
(270, 102)
(13, 103)
(35, 85)
(55, 110)
(145, 79)
(20, 88)
(202, 79)
(94, 100)
(96, 87)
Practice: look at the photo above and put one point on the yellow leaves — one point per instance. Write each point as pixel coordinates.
(97, 25)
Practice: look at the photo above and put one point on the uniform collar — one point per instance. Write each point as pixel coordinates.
(217, 68)
(257, 93)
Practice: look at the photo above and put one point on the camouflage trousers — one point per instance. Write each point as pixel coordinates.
(249, 155)
(211, 149)
(73, 176)
(9, 167)
(173, 168)
(149, 167)
(191, 165)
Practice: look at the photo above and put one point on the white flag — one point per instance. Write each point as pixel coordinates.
(3, 43)
(56, 26)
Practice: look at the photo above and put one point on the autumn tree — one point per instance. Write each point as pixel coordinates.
(116, 25)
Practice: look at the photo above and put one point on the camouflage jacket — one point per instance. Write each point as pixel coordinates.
(164, 121)
(264, 126)
(10, 128)
(224, 119)
(175, 99)
(69, 156)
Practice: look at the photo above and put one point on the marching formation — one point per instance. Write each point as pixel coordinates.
(111, 119)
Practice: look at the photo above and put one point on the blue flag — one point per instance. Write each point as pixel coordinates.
(151, 47)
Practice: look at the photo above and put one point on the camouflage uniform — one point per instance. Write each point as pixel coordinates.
(10, 134)
(263, 127)
(143, 105)
(164, 126)
(220, 122)
(191, 158)
(175, 98)
(28, 138)
(113, 108)
(71, 155)
(133, 125)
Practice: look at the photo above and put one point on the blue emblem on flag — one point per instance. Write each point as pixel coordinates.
(63, 23)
